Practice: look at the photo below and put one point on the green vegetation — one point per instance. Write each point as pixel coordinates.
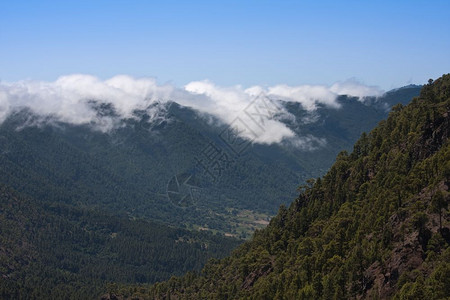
(375, 226)
(61, 252)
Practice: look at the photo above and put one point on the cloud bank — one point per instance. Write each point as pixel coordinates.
(258, 109)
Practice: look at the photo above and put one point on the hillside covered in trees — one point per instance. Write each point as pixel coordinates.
(63, 252)
(376, 226)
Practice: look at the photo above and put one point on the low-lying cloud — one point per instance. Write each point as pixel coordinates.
(69, 99)
(355, 89)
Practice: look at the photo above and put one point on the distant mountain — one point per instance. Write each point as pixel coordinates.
(177, 169)
(376, 226)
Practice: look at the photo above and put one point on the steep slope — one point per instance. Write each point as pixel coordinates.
(133, 169)
(61, 252)
(375, 226)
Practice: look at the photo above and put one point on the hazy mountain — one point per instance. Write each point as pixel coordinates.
(175, 165)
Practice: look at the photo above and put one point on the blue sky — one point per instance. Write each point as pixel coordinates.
(382, 43)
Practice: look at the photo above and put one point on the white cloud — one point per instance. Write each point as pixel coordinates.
(307, 95)
(4, 106)
(256, 112)
(356, 89)
(258, 108)
(308, 142)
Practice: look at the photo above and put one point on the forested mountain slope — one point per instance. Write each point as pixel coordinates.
(130, 169)
(376, 226)
(62, 252)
